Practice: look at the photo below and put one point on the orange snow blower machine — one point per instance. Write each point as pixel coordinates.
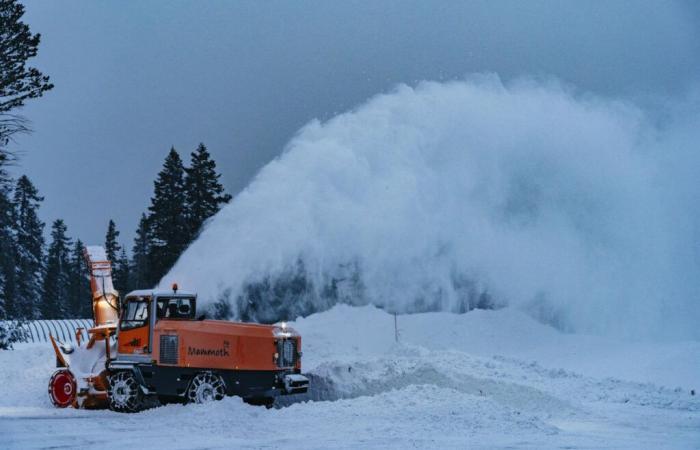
(151, 349)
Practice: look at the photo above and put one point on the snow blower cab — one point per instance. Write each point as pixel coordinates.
(166, 354)
(143, 310)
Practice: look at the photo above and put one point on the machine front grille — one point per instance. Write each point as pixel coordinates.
(287, 349)
(168, 349)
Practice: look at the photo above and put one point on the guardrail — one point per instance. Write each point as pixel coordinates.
(63, 330)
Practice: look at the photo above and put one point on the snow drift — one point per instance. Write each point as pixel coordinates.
(494, 379)
(450, 196)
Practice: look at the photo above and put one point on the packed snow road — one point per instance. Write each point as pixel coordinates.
(490, 379)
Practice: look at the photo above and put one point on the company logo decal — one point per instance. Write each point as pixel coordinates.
(222, 352)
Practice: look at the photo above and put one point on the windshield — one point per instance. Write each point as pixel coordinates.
(135, 313)
(175, 308)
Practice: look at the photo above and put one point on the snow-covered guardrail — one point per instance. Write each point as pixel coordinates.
(63, 330)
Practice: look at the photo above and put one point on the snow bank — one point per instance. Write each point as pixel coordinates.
(485, 379)
(570, 207)
(506, 333)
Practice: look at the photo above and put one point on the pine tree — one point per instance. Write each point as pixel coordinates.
(204, 193)
(56, 298)
(117, 256)
(80, 296)
(18, 81)
(10, 331)
(139, 270)
(168, 218)
(7, 246)
(112, 247)
(29, 239)
(17, 44)
(121, 273)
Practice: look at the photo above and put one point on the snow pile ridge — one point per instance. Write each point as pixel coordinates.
(442, 385)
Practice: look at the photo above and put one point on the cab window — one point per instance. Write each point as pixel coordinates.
(175, 308)
(134, 313)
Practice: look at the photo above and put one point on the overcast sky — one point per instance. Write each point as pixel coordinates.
(135, 78)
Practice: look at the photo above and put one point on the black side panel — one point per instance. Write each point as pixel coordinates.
(173, 381)
(256, 383)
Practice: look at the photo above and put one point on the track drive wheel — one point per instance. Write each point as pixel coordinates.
(206, 387)
(125, 394)
(62, 388)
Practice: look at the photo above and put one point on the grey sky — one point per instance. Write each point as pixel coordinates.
(134, 78)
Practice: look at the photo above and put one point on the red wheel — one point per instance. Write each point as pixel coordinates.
(62, 388)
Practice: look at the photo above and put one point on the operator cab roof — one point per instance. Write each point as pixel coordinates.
(160, 293)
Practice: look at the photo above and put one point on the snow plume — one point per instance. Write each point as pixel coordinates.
(473, 193)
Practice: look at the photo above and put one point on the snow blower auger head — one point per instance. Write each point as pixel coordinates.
(152, 349)
(81, 380)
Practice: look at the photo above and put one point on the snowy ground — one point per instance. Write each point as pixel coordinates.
(491, 379)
